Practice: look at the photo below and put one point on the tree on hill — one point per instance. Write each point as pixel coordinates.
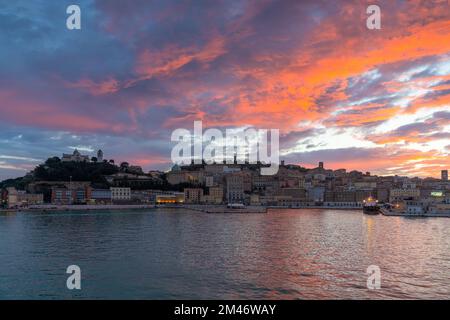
(55, 170)
(18, 183)
(124, 166)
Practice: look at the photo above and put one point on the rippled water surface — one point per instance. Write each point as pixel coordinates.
(285, 254)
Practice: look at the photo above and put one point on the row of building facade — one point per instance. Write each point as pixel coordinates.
(242, 184)
(295, 186)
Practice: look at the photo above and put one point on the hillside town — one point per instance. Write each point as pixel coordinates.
(224, 184)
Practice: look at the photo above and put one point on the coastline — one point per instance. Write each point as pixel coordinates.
(46, 208)
(210, 209)
(198, 208)
(389, 213)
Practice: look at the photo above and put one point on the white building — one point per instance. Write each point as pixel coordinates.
(120, 193)
(18, 198)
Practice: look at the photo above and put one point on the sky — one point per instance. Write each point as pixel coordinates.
(355, 98)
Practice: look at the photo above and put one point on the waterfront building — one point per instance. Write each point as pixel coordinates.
(18, 198)
(3, 197)
(382, 194)
(440, 208)
(295, 193)
(343, 204)
(285, 201)
(142, 196)
(153, 194)
(170, 198)
(328, 196)
(71, 195)
(399, 194)
(316, 193)
(12, 197)
(132, 180)
(267, 200)
(432, 195)
(345, 196)
(214, 196)
(31, 198)
(120, 194)
(101, 196)
(414, 207)
(82, 195)
(193, 195)
(254, 199)
(290, 197)
(361, 195)
(61, 196)
(235, 188)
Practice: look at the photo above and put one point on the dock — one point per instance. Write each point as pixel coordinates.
(220, 209)
(391, 213)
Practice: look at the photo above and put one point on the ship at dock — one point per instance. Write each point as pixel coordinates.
(371, 206)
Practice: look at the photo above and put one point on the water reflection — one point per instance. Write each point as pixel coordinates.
(285, 254)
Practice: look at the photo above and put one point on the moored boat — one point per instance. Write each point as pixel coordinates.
(371, 206)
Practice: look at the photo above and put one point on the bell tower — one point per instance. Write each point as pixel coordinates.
(100, 156)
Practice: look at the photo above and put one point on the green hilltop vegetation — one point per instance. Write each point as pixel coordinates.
(56, 170)
(18, 183)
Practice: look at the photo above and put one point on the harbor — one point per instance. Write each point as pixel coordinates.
(371, 208)
(392, 213)
(182, 254)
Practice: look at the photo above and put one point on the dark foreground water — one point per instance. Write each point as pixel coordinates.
(285, 254)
